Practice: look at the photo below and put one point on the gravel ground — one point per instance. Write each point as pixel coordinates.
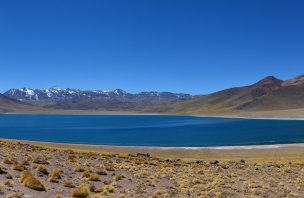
(33, 171)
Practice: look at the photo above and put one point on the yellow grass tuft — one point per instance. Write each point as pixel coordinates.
(69, 184)
(10, 161)
(54, 176)
(9, 183)
(2, 171)
(118, 177)
(85, 174)
(40, 160)
(42, 170)
(109, 188)
(8, 176)
(79, 169)
(28, 180)
(101, 172)
(81, 192)
(110, 168)
(94, 178)
(19, 167)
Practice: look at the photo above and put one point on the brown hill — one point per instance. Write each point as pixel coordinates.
(268, 94)
(8, 105)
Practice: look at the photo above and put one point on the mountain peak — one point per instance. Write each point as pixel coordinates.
(119, 91)
(55, 88)
(269, 81)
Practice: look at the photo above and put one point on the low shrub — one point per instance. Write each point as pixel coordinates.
(29, 181)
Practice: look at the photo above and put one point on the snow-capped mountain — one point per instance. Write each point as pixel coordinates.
(75, 98)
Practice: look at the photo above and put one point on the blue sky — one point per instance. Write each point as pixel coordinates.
(192, 46)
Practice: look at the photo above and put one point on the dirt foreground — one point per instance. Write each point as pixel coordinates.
(34, 170)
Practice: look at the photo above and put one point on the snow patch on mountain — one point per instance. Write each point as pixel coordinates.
(58, 94)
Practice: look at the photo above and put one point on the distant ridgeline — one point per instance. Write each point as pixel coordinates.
(100, 99)
(267, 94)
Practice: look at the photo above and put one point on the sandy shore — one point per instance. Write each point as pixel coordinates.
(254, 117)
(258, 153)
(250, 115)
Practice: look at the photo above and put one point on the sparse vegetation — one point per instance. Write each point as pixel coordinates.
(41, 160)
(118, 177)
(94, 178)
(69, 184)
(54, 176)
(42, 170)
(82, 191)
(97, 175)
(19, 167)
(101, 172)
(30, 181)
(2, 171)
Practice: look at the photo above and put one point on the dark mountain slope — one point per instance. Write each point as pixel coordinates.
(10, 105)
(269, 93)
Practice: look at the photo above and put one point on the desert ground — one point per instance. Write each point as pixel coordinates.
(34, 170)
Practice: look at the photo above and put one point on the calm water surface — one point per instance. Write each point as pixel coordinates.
(141, 130)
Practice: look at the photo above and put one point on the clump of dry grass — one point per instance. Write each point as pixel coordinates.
(10, 161)
(29, 181)
(94, 178)
(96, 196)
(101, 172)
(72, 158)
(14, 195)
(121, 196)
(118, 177)
(79, 169)
(158, 193)
(19, 167)
(54, 176)
(42, 170)
(92, 155)
(2, 171)
(28, 158)
(86, 174)
(109, 168)
(9, 183)
(40, 160)
(110, 188)
(8, 176)
(82, 191)
(25, 163)
(69, 184)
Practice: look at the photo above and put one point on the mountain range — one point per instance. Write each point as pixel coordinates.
(268, 94)
(93, 100)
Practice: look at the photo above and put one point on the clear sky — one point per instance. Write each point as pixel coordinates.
(192, 46)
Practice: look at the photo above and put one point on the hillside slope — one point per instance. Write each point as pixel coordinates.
(268, 94)
(8, 105)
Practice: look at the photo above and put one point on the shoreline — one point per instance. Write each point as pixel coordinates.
(249, 118)
(115, 113)
(243, 147)
(256, 154)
